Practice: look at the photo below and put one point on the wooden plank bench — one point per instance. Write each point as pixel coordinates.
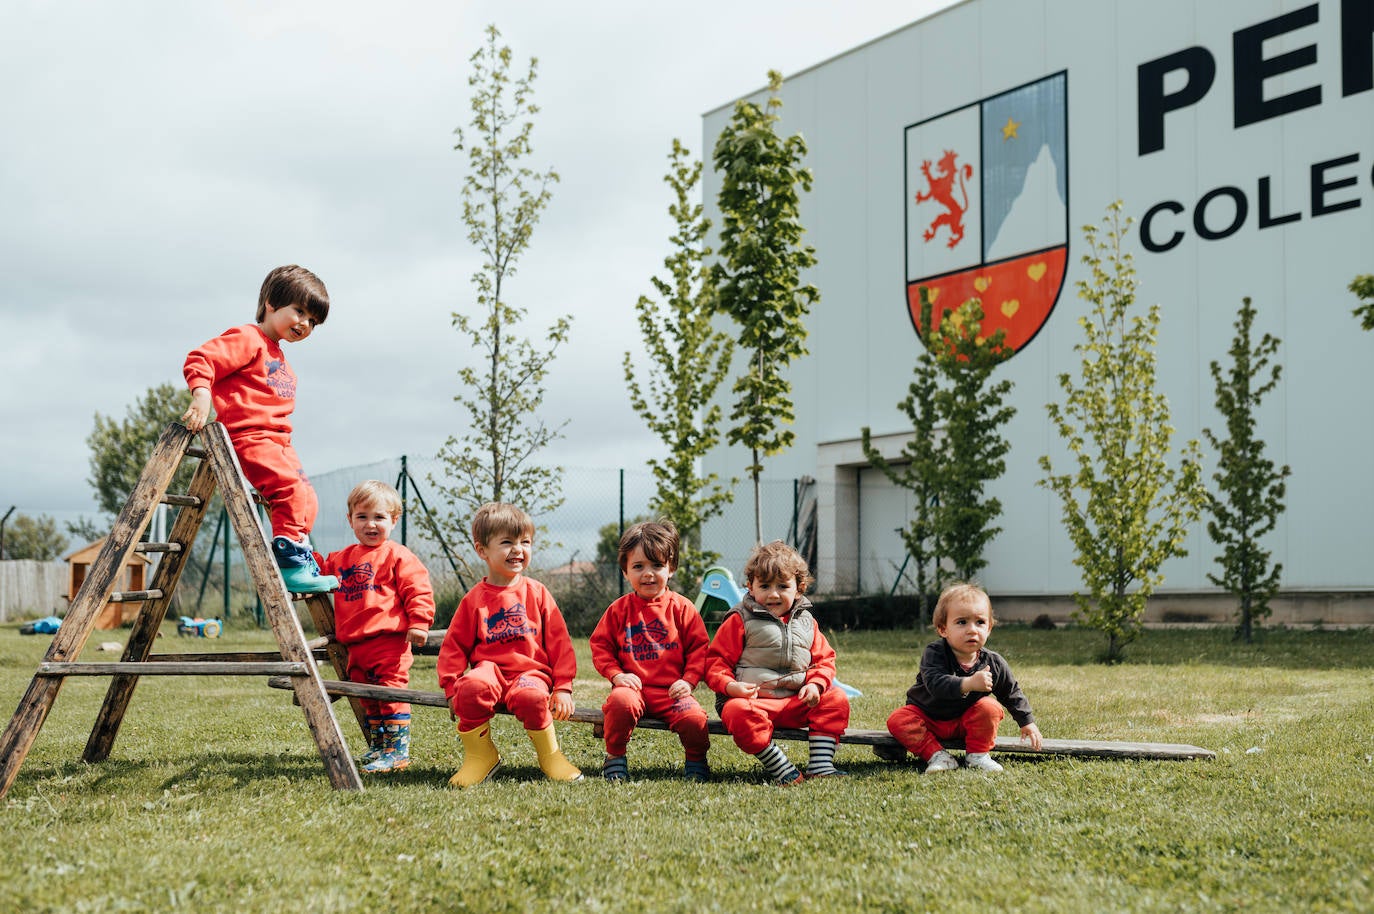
(884, 745)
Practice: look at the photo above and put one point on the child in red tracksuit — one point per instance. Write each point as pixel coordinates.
(383, 608)
(961, 689)
(507, 645)
(771, 666)
(244, 372)
(651, 644)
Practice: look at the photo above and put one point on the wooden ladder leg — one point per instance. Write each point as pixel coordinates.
(322, 613)
(280, 611)
(150, 618)
(95, 592)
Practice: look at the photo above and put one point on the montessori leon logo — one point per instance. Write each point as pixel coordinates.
(987, 208)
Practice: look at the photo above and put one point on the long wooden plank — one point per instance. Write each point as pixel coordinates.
(880, 738)
(150, 617)
(279, 609)
(196, 668)
(76, 628)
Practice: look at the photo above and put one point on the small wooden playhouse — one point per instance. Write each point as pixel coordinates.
(133, 577)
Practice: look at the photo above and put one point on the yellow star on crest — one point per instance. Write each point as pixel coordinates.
(1009, 131)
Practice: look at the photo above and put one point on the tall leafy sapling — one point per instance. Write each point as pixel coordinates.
(956, 447)
(1126, 508)
(503, 198)
(758, 277)
(686, 359)
(1250, 486)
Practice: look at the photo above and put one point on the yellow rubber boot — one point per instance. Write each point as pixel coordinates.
(552, 761)
(480, 757)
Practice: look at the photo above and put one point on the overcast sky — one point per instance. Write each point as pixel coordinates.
(160, 157)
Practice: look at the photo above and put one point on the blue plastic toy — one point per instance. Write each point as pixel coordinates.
(200, 628)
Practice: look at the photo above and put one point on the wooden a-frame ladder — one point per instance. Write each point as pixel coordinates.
(218, 467)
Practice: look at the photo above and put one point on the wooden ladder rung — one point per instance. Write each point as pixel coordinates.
(185, 501)
(135, 596)
(170, 668)
(158, 547)
(194, 451)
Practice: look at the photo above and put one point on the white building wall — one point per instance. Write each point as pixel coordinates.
(853, 111)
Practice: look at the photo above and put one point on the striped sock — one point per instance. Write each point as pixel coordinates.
(821, 762)
(615, 768)
(777, 766)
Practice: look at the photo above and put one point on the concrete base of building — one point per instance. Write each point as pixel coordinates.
(1293, 608)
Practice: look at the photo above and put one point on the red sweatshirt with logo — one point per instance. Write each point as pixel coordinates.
(518, 627)
(382, 590)
(660, 640)
(250, 383)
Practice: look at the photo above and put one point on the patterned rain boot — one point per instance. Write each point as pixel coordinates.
(374, 741)
(298, 567)
(552, 761)
(395, 747)
(480, 757)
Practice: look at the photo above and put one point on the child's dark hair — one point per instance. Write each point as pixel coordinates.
(294, 285)
(957, 593)
(658, 540)
(777, 561)
(497, 517)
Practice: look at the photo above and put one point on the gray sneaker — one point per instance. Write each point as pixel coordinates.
(941, 761)
(981, 761)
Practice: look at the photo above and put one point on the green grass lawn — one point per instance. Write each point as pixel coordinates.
(214, 799)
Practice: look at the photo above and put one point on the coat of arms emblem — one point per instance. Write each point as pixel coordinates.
(987, 208)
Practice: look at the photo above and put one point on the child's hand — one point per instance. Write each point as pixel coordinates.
(198, 411)
(980, 681)
(810, 694)
(561, 704)
(1032, 733)
(417, 637)
(679, 689)
(628, 681)
(737, 689)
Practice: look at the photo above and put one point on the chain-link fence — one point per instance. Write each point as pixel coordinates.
(598, 504)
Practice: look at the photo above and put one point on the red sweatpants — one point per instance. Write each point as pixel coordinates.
(751, 720)
(684, 716)
(484, 687)
(271, 466)
(921, 735)
(383, 660)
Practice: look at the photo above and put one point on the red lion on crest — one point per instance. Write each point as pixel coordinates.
(941, 190)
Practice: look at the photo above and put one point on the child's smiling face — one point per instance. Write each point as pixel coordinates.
(775, 596)
(648, 577)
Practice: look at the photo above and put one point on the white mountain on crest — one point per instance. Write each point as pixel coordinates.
(1037, 218)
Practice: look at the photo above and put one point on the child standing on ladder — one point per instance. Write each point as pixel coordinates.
(961, 689)
(507, 645)
(383, 608)
(771, 666)
(651, 644)
(244, 373)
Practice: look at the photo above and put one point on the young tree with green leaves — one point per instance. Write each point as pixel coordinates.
(120, 449)
(687, 359)
(1363, 287)
(503, 199)
(973, 410)
(1251, 486)
(1126, 509)
(758, 277)
(956, 448)
(34, 538)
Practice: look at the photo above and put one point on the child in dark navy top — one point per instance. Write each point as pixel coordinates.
(961, 689)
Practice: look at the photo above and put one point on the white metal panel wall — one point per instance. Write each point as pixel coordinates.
(853, 111)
